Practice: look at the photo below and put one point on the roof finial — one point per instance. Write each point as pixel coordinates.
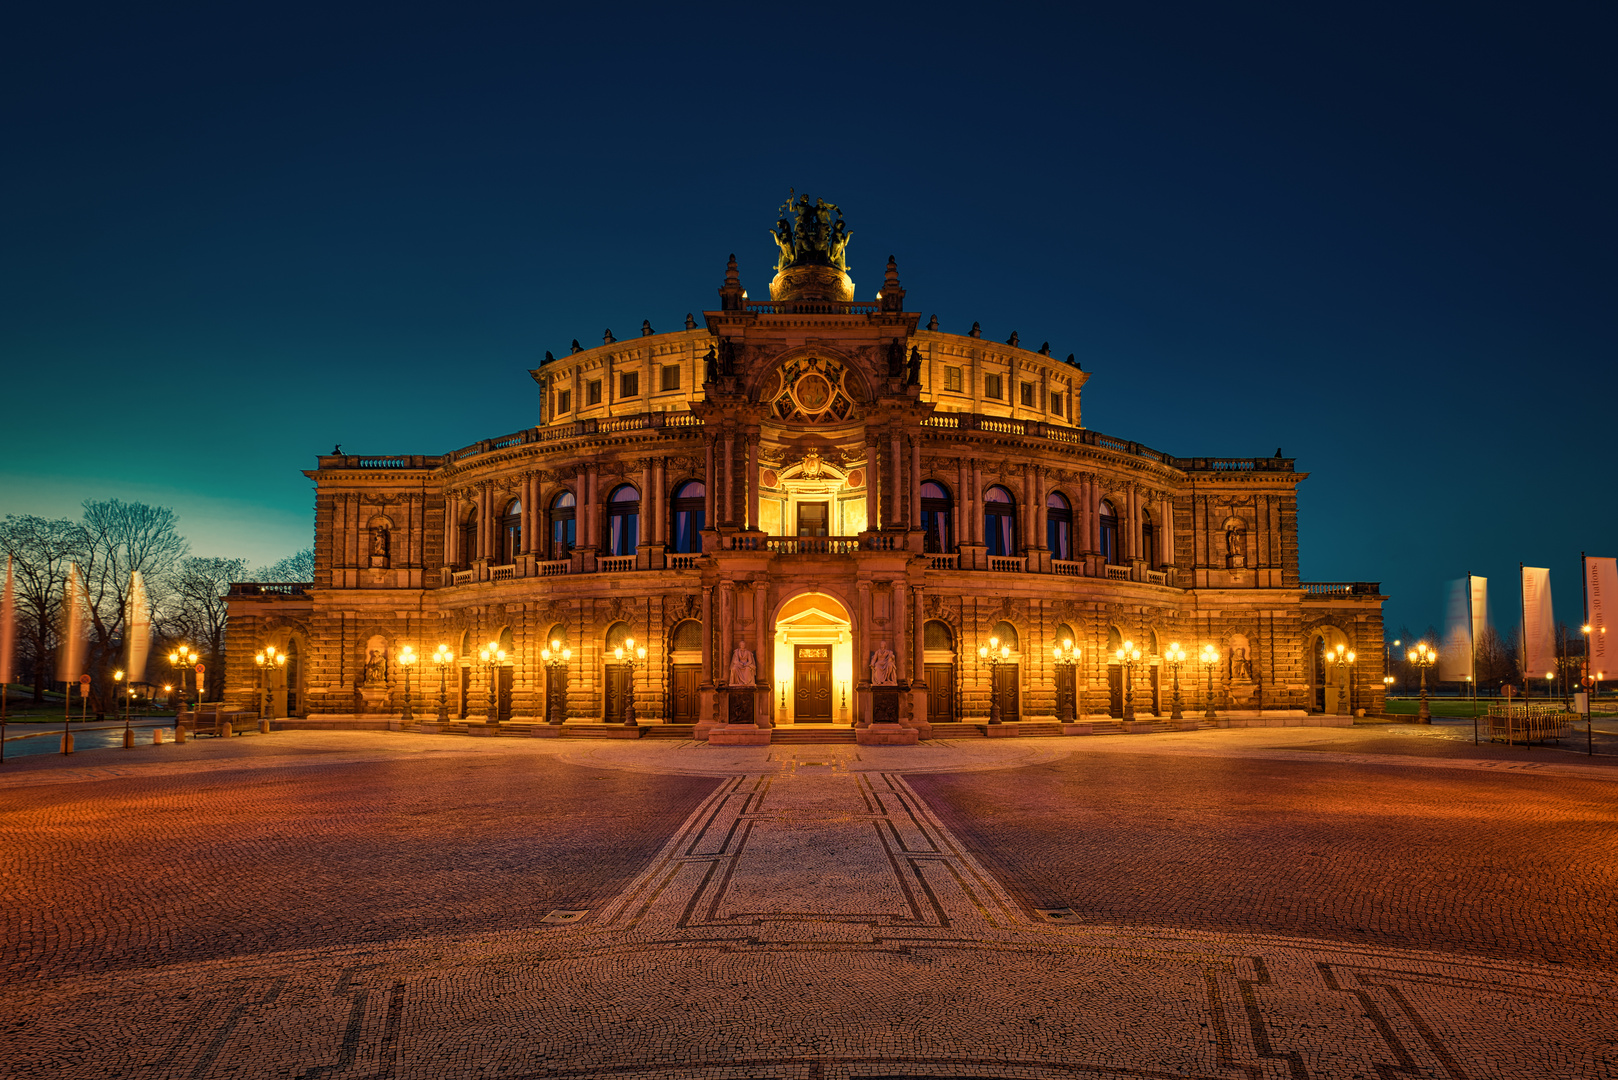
(607, 338)
(690, 323)
(976, 331)
(1012, 340)
(646, 328)
(576, 346)
(1045, 349)
(932, 323)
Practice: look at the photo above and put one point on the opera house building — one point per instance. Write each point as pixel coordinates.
(809, 509)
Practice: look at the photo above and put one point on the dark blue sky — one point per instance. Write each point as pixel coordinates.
(1379, 237)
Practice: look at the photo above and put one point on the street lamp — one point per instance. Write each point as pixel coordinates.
(1174, 658)
(555, 658)
(443, 657)
(129, 736)
(631, 654)
(1066, 655)
(182, 658)
(407, 660)
(492, 656)
(268, 660)
(1424, 657)
(994, 654)
(1344, 659)
(1209, 660)
(1128, 655)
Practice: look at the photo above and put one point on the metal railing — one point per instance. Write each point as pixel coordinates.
(1528, 722)
(270, 588)
(1341, 588)
(813, 307)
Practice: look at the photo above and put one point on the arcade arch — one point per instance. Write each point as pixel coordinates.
(814, 661)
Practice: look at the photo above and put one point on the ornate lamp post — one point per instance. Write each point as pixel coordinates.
(1209, 660)
(1424, 657)
(993, 654)
(1343, 657)
(1175, 657)
(492, 656)
(268, 660)
(1128, 655)
(129, 736)
(555, 658)
(1066, 655)
(631, 654)
(443, 657)
(407, 660)
(182, 658)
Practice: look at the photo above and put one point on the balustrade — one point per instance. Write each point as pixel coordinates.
(463, 577)
(1066, 568)
(616, 564)
(1008, 564)
(555, 567)
(683, 562)
(1117, 573)
(814, 545)
(944, 562)
(507, 572)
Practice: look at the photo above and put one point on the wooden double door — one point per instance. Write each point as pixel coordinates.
(940, 693)
(811, 684)
(687, 699)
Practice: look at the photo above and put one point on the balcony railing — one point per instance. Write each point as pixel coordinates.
(1341, 588)
(616, 564)
(270, 588)
(814, 545)
(554, 567)
(944, 562)
(813, 307)
(1157, 577)
(507, 572)
(1066, 568)
(683, 562)
(1116, 573)
(463, 577)
(1008, 564)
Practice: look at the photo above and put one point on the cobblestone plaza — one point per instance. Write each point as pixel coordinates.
(1372, 902)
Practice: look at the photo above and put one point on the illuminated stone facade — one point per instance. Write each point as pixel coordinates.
(823, 480)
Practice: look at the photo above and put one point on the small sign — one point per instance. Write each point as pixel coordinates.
(84, 686)
(1581, 702)
(200, 669)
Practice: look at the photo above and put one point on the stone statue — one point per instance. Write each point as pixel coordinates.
(932, 323)
(607, 338)
(976, 331)
(1073, 362)
(1012, 340)
(785, 242)
(337, 450)
(913, 370)
(1045, 349)
(710, 368)
(896, 358)
(743, 667)
(837, 249)
(884, 666)
(1241, 668)
(690, 323)
(379, 543)
(376, 668)
(646, 328)
(549, 359)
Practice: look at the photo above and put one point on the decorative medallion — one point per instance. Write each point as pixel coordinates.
(809, 391)
(770, 478)
(856, 478)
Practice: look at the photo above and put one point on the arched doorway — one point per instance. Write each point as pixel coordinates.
(685, 671)
(1066, 674)
(1007, 674)
(556, 675)
(814, 661)
(938, 662)
(1327, 683)
(618, 675)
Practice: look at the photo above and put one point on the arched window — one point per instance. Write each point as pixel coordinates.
(1064, 635)
(1115, 640)
(557, 638)
(563, 512)
(688, 636)
(936, 635)
(689, 500)
(511, 531)
(1109, 533)
(1059, 526)
(623, 521)
(1148, 539)
(1000, 521)
(937, 518)
(1006, 633)
(469, 538)
(617, 634)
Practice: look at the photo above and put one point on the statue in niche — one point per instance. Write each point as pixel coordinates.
(896, 359)
(727, 357)
(884, 666)
(376, 667)
(379, 546)
(913, 370)
(1235, 547)
(743, 666)
(710, 368)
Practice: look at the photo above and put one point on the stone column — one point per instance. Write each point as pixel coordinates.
(901, 637)
(764, 653)
(710, 486)
(977, 503)
(452, 531)
(660, 482)
(915, 481)
(873, 482)
(727, 608)
(919, 669)
(730, 486)
(895, 514)
(752, 480)
(962, 536)
(862, 657)
(707, 635)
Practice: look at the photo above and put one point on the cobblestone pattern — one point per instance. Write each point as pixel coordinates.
(811, 917)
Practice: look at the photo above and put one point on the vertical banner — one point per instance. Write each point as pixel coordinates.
(1455, 655)
(1601, 585)
(137, 629)
(1480, 614)
(8, 625)
(72, 630)
(1538, 623)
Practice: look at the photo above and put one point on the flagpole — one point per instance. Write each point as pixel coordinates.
(1522, 654)
(1470, 625)
(1589, 734)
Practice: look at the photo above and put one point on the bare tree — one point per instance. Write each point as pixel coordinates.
(41, 549)
(299, 566)
(121, 538)
(198, 609)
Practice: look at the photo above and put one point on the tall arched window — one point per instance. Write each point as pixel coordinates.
(1059, 526)
(936, 518)
(936, 635)
(1109, 533)
(563, 512)
(1148, 539)
(469, 538)
(689, 502)
(1000, 521)
(623, 521)
(511, 531)
(1006, 634)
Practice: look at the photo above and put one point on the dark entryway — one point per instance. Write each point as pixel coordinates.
(940, 693)
(811, 683)
(1005, 692)
(814, 518)
(1115, 691)
(502, 684)
(687, 677)
(618, 676)
(466, 691)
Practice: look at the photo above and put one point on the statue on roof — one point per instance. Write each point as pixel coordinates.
(810, 234)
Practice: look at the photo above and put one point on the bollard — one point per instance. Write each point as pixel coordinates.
(225, 731)
(157, 736)
(129, 739)
(263, 727)
(179, 733)
(67, 742)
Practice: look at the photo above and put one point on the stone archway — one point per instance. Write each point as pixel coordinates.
(814, 661)
(1328, 685)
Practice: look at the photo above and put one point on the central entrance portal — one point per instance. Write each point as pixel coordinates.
(814, 660)
(811, 684)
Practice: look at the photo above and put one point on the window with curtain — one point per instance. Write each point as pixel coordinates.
(1059, 526)
(511, 531)
(687, 524)
(623, 520)
(563, 513)
(1000, 521)
(936, 518)
(1108, 518)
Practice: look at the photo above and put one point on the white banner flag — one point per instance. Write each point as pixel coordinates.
(8, 626)
(1601, 585)
(1480, 614)
(137, 629)
(1455, 655)
(1539, 624)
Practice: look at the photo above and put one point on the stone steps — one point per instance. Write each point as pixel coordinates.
(669, 731)
(789, 734)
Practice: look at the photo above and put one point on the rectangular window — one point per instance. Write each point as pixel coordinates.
(564, 401)
(629, 384)
(1056, 404)
(991, 387)
(671, 377)
(952, 379)
(1028, 395)
(592, 392)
